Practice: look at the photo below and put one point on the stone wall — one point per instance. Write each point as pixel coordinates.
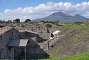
(5, 39)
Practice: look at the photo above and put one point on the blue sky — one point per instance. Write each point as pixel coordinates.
(5, 4)
(10, 9)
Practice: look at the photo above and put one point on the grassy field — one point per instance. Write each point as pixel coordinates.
(81, 56)
(76, 26)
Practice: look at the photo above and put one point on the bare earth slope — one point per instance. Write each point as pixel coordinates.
(75, 41)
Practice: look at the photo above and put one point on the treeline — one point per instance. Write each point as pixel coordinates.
(15, 21)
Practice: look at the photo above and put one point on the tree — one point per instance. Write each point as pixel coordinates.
(78, 23)
(9, 21)
(48, 26)
(16, 20)
(28, 20)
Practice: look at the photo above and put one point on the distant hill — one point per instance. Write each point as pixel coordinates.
(63, 17)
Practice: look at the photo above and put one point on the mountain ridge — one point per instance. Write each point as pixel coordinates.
(63, 17)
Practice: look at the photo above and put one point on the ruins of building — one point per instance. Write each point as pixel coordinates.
(7, 34)
(18, 44)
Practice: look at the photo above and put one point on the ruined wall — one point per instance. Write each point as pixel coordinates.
(5, 39)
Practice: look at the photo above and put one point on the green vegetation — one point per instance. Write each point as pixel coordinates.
(82, 56)
(48, 26)
(76, 39)
(76, 26)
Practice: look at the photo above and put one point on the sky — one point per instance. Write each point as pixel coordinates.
(33, 9)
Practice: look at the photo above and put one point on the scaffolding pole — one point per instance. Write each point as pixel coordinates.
(25, 53)
(12, 53)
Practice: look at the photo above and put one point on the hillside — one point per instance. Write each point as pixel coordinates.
(63, 17)
(75, 41)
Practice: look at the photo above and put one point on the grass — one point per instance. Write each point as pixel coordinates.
(76, 39)
(82, 56)
(76, 26)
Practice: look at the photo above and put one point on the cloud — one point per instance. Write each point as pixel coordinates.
(50, 7)
(41, 8)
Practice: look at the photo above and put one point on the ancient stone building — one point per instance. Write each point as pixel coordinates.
(7, 34)
(16, 44)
